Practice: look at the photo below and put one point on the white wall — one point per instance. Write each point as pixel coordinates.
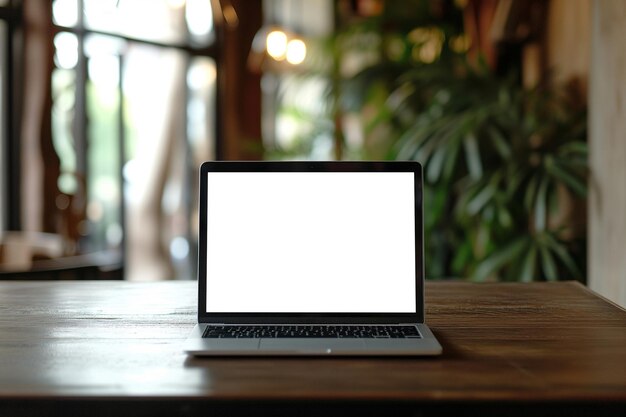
(2, 129)
(607, 140)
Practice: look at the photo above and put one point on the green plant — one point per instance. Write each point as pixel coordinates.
(503, 166)
(500, 163)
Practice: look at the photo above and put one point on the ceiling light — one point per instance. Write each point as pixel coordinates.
(296, 51)
(276, 44)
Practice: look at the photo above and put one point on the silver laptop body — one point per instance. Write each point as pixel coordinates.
(291, 250)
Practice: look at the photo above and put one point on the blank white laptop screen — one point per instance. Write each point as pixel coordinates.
(310, 242)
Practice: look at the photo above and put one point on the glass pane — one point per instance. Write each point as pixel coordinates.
(65, 50)
(160, 21)
(299, 116)
(65, 12)
(201, 83)
(297, 120)
(201, 78)
(63, 98)
(103, 113)
(199, 20)
(155, 173)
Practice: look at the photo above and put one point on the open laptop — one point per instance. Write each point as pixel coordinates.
(311, 258)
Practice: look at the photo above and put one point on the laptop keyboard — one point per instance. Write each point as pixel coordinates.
(304, 331)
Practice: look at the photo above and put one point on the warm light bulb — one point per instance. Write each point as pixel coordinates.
(276, 44)
(296, 51)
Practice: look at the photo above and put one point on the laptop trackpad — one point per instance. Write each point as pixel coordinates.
(311, 345)
(226, 345)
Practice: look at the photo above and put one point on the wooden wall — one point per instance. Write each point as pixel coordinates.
(607, 203)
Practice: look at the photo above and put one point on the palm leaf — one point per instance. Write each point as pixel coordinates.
(548, 264)
(528, 265)
(498, 259)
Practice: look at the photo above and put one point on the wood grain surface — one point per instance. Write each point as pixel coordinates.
(552, 344)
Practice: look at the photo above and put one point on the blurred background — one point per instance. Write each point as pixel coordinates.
(515, 108)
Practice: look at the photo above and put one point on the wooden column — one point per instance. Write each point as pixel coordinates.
(239, 96)
(39, 162)
(607, 140)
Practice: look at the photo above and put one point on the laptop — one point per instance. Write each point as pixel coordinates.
(311, 258)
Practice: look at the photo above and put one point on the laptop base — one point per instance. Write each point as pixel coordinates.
(196, 345)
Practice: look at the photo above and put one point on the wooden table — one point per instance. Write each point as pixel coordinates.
(114, 348)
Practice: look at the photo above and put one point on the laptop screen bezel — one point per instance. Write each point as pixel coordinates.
(310, 166)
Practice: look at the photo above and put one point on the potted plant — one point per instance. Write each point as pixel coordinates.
(503, 165)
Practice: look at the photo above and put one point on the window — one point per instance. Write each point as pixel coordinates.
(131, 115)
(136, 80)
